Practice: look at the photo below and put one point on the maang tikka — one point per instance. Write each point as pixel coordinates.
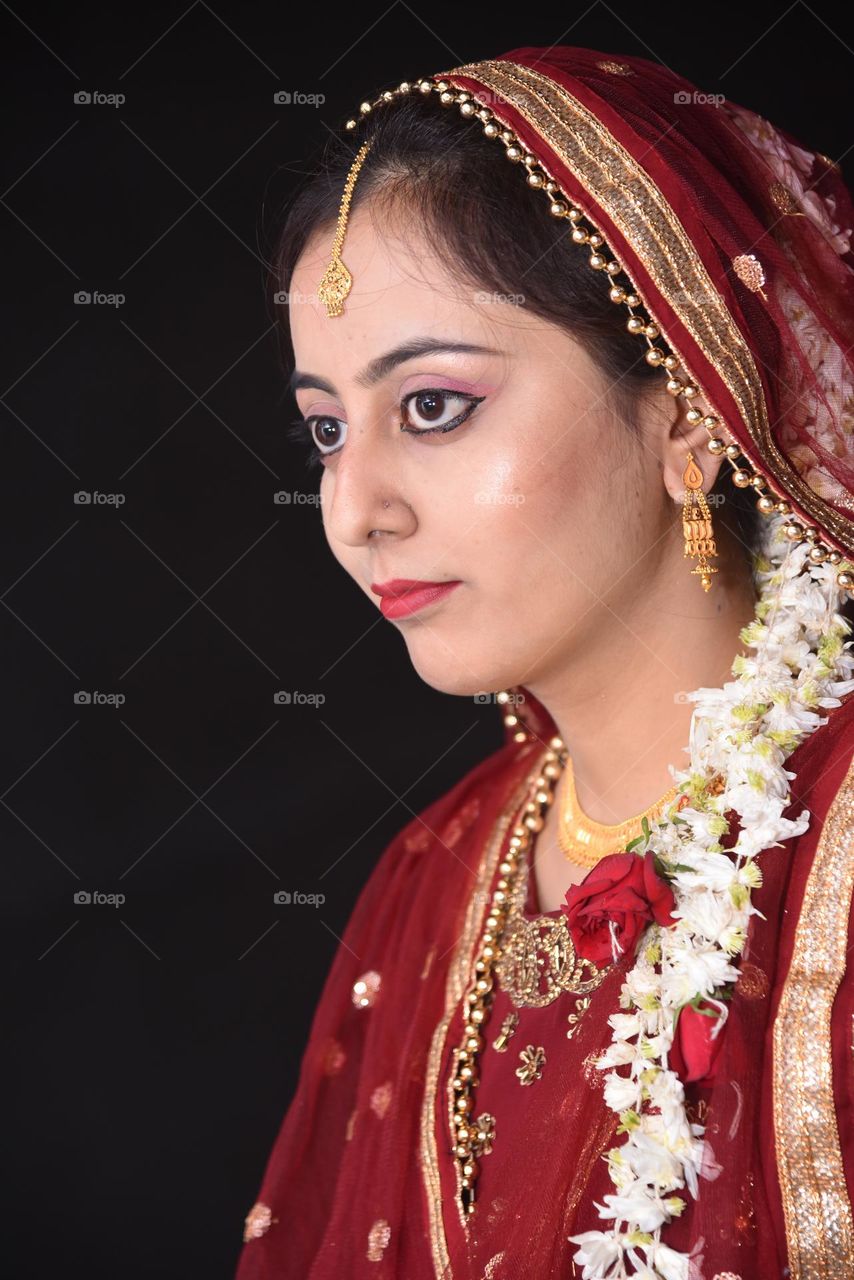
(697, 522)
(337, 282)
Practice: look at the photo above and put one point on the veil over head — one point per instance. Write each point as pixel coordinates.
(729, 245)
(733, 239)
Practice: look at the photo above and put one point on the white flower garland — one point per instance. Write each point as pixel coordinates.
(740, 737)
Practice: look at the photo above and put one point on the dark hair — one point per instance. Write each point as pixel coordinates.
(489, 227)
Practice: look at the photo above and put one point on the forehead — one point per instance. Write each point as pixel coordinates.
(400, 286)
(394, 271)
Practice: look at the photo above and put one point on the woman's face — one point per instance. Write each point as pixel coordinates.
(538, 502)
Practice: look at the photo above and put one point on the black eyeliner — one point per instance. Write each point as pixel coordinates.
(299, 429)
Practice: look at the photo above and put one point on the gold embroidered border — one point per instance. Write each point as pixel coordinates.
(819, 1228)
(459, 972)
(633, 202)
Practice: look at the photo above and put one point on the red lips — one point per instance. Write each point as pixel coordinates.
(402, 596)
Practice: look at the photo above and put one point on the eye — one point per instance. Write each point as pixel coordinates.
(325, 435)
(430, 404)
(302, 430)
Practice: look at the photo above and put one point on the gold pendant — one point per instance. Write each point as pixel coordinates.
(585, 841)
(334, 287)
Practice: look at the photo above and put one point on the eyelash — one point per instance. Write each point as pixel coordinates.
(299, 429)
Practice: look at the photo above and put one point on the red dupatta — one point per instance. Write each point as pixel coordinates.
(349, 1188)
(342, 1194)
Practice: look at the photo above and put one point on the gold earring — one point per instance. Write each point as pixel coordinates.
(336, 281)
(697, 522)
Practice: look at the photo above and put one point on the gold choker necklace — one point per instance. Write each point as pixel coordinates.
(583, 840)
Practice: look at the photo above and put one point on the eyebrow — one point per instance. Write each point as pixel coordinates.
(381, 366)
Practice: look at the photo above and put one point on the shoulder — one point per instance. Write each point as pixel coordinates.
(478, 797)
(821, 762)
(439, 848)
(412, 903)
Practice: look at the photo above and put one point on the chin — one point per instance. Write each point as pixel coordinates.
(438, 667)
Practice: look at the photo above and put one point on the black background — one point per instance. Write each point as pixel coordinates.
(156, 1044)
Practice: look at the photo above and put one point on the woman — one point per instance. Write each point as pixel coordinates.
(559, 1040)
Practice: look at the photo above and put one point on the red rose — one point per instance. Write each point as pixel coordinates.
(623, 890)
(694, 1054)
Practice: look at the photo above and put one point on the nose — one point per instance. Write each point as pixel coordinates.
(364, 496)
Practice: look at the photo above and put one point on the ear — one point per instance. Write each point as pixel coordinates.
(681, 437)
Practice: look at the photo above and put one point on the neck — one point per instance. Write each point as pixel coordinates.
(619, 704)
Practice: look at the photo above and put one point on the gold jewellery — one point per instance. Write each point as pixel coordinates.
(472, 1135)
(336, 281)
(584, 841)
(581, 839)
(697, 522)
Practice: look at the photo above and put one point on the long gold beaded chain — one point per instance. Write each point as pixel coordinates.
(472, 1135)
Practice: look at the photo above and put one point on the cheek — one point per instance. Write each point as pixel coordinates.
(480, 501)
(580, 492)
(533, 505)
